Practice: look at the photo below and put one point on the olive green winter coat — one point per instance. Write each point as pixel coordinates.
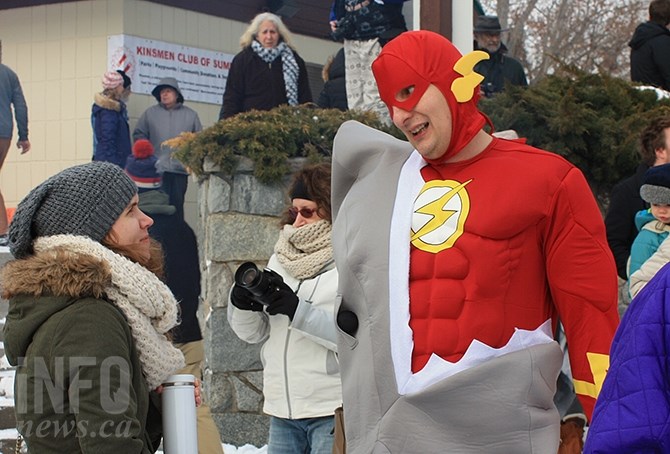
(79, 385)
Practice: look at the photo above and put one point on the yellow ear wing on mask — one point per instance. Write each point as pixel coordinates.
(463, 87)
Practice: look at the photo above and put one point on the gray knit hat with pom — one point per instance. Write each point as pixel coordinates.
(82, 200)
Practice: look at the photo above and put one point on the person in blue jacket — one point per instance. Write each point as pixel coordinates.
(11, 95)
(633, 409)
(109, 119)
(653, 224)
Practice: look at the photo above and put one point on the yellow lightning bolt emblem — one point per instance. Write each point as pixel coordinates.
(436, 208)
(463, 88)
(599, 364)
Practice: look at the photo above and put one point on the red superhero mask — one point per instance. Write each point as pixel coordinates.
(421, 58)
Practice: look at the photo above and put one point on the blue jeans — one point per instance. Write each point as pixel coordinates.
(298, 436)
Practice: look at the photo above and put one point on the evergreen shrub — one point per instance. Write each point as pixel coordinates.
(269, 138)
(592, 120)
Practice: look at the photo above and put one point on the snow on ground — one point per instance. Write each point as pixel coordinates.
(246, 449)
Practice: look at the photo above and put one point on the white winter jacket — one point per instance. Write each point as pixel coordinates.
(641, 277)
(301, 376)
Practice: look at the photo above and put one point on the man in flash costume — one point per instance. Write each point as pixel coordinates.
(458, 253)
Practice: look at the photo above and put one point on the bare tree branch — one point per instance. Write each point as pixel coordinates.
(592, 35)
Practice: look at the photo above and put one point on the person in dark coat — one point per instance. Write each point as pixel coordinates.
(109, 119)
(267, 72)
(334, 93)
(650, 47)
(181, 271)
(364, 27)
(625, 200)
(500, 68)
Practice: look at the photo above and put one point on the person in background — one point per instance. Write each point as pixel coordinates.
(268, 72)
(11, 95)
(334, 92)
(109, 119)
(458, 252)
(653, 225)
(163, 121)
(365, 26)
(182, 275)
(296, 324)
(625, 200)
(633, 405)
(650, 48)
(88, 316)
(500, 68)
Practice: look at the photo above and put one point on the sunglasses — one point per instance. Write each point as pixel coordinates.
(304, 212)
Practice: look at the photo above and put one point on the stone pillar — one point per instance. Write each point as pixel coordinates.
(239, 222)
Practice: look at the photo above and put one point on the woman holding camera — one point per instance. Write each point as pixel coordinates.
(294, 319)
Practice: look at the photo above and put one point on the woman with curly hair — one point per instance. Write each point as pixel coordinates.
(295, 322)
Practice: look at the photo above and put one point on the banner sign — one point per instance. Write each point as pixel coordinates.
(201, 73)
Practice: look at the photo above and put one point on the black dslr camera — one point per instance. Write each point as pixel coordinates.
(259, 283)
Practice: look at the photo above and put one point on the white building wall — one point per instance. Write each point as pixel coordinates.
(59, 52)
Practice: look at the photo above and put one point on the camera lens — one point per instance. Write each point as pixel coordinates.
(248, 277)
(261, 283)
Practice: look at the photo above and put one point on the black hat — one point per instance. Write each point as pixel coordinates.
(656, 185)
(126, 79)
(488, 24)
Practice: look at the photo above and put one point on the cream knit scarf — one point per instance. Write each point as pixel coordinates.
(147, 303)
(304, 251)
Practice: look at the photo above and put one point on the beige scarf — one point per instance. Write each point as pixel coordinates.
(147, 303)
(304, 251)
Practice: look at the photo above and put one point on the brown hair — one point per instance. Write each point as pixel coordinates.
(155, 263)
(653, 138)
(659, 12)
(316, 179)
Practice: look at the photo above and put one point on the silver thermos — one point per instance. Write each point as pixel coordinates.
(180, 427)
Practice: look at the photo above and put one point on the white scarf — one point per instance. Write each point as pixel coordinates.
(147, 303)
(304, 251)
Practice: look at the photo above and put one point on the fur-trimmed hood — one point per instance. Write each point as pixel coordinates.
(56, 272)
(105, 102)
(43, 284)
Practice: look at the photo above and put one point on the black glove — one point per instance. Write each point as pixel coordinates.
(283, 301)
(244, 299)
(348, 322)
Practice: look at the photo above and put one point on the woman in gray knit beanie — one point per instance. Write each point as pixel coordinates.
(88, 316)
